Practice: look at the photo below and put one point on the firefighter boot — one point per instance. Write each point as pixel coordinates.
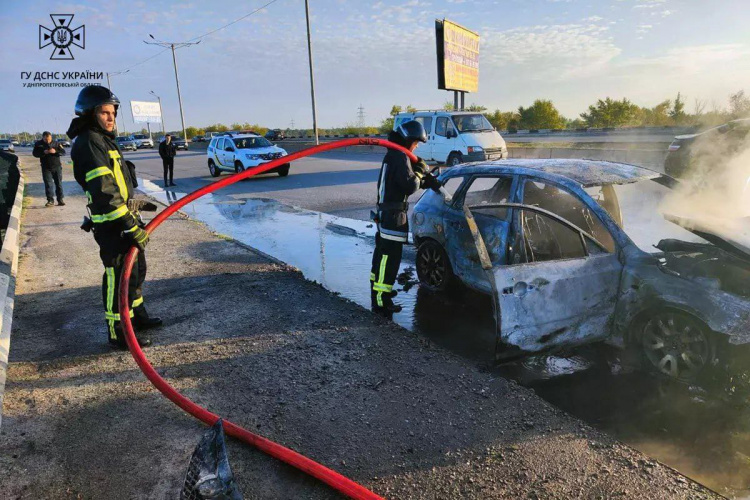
(384, 306)
(142, 321)
(118, 340)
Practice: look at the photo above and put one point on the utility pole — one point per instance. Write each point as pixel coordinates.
(174, 45)
(360, 117)
(312, 79)
(109, 86)
(161, 113)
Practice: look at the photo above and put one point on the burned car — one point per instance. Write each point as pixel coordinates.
(579, 252)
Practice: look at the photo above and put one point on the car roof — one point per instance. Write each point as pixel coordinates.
(584, 172)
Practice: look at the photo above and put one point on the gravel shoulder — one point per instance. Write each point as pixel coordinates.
(253, 341)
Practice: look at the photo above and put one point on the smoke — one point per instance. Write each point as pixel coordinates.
(715, 193)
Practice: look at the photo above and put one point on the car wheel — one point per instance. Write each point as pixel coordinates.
(283, 171)
(454, 159)
(676, 344)
(433, 267)
(215, 172)
(239, 167)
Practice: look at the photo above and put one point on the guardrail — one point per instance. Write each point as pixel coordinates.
(9, 261)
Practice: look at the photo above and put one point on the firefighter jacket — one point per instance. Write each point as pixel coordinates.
(396, 183)
(99, 169)
(49, 161)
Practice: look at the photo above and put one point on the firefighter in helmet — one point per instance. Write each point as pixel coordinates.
(109, 184)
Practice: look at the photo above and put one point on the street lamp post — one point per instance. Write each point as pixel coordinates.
(174, 45)
(161, 113)
(109, 86)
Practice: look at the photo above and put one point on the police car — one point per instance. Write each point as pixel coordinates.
(235, 152)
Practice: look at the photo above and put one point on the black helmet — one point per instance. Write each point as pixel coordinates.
(92, 96)
(412, 131)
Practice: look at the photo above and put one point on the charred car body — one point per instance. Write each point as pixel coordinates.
(580, 253)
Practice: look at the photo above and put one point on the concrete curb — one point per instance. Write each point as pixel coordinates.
(9, 264)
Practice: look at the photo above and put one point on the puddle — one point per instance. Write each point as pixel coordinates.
(701, 436)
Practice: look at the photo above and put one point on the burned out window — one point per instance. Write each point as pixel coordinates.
(545, 239)
(489, 191)
(452, 184)
(569, 207)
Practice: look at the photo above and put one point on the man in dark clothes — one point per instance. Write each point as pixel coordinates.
(49, 152)
(167, 151)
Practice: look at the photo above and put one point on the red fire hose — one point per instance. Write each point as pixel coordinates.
(310, 467)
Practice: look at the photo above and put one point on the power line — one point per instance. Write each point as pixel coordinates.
(234, 22)
(196, 38)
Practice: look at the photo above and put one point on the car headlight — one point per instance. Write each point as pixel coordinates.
(252, 157)
(475, 149)
(284, 153)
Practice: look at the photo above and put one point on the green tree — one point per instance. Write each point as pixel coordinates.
(503, 120)
(448, 105)
(610, 113)
(678, 114)
(739, 105)
(191, 132)
(541, 114)
(476, 107)
(217, 127)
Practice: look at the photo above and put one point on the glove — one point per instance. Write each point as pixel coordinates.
(420, 168)
(431, 182)
(138, 236)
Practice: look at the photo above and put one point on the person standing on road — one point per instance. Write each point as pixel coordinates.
(398, 180)
(49, 153)
(167, 151)
(109, 187)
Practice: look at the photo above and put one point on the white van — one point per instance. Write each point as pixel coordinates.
(455, 137)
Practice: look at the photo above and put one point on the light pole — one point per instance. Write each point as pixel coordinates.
(312, 80)
(109, 86)
(172, 45)
(161, 113)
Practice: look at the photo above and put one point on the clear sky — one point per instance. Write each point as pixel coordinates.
(377, 54)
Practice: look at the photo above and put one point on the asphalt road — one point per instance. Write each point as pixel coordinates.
(342, 184)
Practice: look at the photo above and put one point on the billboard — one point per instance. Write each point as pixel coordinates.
(145, 111)
(458, 57)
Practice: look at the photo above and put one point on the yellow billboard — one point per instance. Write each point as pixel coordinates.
(458, 57)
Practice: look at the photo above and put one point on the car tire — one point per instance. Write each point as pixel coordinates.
(674, 344)
(434, 270)
(283, 171)
(213, 169)
(454, 159)
(239, 167)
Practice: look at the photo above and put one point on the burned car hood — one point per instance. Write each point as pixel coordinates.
(730, 235)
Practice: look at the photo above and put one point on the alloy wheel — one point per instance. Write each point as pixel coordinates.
(676, 345)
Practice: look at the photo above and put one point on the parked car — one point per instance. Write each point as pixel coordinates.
(126, 143)
(199, 138)
(179, 142)
(235, 153)
(580, 253)
(275, 135)
(455, 137)
(142, 141)
(7, 145)
(15, 142)
(701, 153)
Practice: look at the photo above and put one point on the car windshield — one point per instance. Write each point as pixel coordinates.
(140, 136)
(251, 142)
(638, 209)
(122, 139)
(471, 123)
(4, 141)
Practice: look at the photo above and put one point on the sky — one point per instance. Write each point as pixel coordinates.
(374, 54)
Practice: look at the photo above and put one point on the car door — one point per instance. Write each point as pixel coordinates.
(561, 285)
(482, 194)
(443, 139)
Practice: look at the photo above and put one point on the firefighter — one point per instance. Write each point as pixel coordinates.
(109, 185)
(398, 180)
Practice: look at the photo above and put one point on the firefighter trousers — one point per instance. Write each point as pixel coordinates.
(112, 250)
(385, 263)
